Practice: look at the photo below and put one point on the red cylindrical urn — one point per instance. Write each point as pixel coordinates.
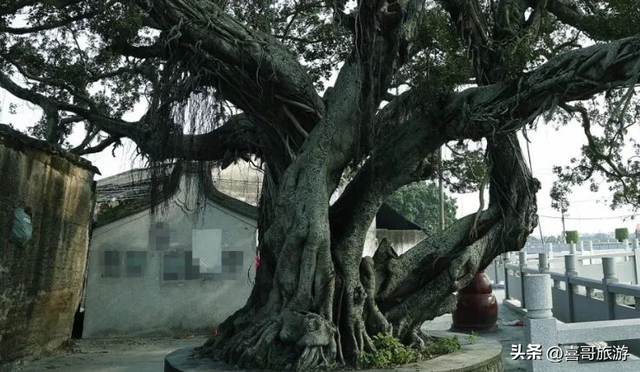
(477, 308)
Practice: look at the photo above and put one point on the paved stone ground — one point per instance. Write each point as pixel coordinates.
(147, 355)
(111, 355)
(506, 334)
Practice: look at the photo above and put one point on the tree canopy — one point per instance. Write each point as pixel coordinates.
(322, 91)
(420, 203)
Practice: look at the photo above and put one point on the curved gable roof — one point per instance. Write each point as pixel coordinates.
(133, 192)
(390, 219)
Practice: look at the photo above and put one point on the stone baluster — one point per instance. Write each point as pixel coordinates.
(541, 326)
(636, 262)
(609, 276)
(523, 262)
(569, 271)
(543, 262)
(507, 261)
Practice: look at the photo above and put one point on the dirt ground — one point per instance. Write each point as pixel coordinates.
(110, 355)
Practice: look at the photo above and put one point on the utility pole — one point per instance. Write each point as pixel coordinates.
(562, 209)
(440, 186)
(540, 229)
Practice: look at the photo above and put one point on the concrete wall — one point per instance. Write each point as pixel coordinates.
(149, 304)
(401, 240)
(41, 281)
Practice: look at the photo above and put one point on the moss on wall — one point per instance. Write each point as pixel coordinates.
(41, 281)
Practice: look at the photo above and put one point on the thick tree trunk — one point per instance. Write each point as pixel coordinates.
(317, 302)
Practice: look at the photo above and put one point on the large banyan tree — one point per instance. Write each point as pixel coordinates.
(326, 93)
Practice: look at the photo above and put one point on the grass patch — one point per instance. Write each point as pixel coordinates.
(390, 352)
(473, 337)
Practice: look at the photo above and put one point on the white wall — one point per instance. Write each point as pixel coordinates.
(147, 305)
(401, 240)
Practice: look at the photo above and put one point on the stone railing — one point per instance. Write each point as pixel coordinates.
(545, 333)
(582, 246)
(587, 269)
(587, 263)
(583, 289)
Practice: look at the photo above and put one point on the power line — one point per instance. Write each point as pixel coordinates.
(591, 218)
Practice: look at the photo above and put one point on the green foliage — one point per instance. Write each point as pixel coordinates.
(466, 169)
(610, 134)
(614, 19)
(420, 203)
(86, 63)
(622, 234)
(559, 193)
(572, 237)
(472, 337)
(390, 352)
(442, 68)
(441, 346)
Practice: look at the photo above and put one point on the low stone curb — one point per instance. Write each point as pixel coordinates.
(476, 354)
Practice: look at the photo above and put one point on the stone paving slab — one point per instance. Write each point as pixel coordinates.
(110, 355)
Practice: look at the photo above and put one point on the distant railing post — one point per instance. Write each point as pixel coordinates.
(569, 271)
(572, 248)
(581, 246)
(543, 262)
(610, 276)
(570, 265)
(636, 262)
(522, 259)
(505, 257)
(541, 326)
(626, 247)
(590, 248)
(550, 250)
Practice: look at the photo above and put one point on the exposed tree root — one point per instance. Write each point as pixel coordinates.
(287, 341)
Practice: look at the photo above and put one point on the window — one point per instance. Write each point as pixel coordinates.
(231, 261)
(135, 265)
(180, 266)
(159, 236)
(231, 264)
(111, 266)
(173, 267)
(192, 266)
